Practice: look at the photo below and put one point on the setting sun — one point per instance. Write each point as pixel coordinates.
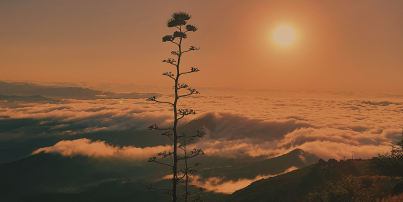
(213, 101)
(284, 35)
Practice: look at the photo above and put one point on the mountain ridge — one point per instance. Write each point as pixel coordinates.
(58, 92)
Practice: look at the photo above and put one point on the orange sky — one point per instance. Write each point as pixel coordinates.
(340, 45)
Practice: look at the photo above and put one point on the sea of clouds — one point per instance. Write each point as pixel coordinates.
(329, 125)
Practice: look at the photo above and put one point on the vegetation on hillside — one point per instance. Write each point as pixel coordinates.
(353, 180)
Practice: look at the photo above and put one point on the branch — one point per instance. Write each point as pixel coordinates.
(187, 139)
(153, 98)
(184, 175)
(175, 52)
(168, 134)
(185, 112)
(152, 159)
(192, 69)
(182, 146)
(170, 61)
(174, 42)
(155, 127)
(199, 134)
(165, 154)
(169, 74)
(194, 153)
(150, 187)
(189, 171)
(168, 191)
(191, 90)
(192, 48)
(198, 198)
(182, 85)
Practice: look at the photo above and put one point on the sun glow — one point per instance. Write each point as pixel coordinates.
(284, 36)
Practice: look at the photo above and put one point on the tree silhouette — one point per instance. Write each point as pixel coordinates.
(178, 21)
(189, 171)
(391, 163)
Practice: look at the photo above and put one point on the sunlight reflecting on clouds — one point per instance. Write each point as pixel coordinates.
(220, 185)
(328, 125)
(86, 147)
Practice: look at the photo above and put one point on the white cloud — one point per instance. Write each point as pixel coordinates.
(220, 185)
(240, 125)
(100, 149)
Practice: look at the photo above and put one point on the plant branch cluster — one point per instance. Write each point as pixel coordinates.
(170, 61)
(192, 69)
(155, 127)
(185, 174)
(185, 112)
(169, 74)
(179, 21)
(153, 98)
(191, 48)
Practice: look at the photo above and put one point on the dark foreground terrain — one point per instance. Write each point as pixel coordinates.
(49, 177)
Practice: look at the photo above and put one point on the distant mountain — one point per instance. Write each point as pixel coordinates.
(33, 98)
(42, 173)
(45, 177)
(57, 92)
(249, 170)
(122, 191)
(351, 180)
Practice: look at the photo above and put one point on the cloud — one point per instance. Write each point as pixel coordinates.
(100, 149)
(323, 142)
(219, 185)
(334, 150)
(238, 148)
(83, 116)
(236, 125)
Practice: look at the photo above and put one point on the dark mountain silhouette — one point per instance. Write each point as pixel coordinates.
(48, 177)
(45, 177)
(57, 92)
(292, 186)
(351, 180)
(50, 173)
(33, 98)
(121, 191)
(272, 166)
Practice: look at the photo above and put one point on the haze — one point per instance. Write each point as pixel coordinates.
(341, 45)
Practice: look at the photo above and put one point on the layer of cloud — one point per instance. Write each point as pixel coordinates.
(220, 185)
(235, 125)
(330, 142)
(86, 147)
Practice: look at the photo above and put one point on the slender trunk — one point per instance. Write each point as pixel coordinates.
(175, 168)
(187, 177)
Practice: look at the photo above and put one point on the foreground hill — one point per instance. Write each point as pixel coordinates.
(352, 180)
(292, 186)
(50, 177)
(53, 173)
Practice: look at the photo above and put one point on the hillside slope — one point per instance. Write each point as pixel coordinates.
(351, 180)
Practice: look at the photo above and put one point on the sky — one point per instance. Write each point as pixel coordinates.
(339, 46)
